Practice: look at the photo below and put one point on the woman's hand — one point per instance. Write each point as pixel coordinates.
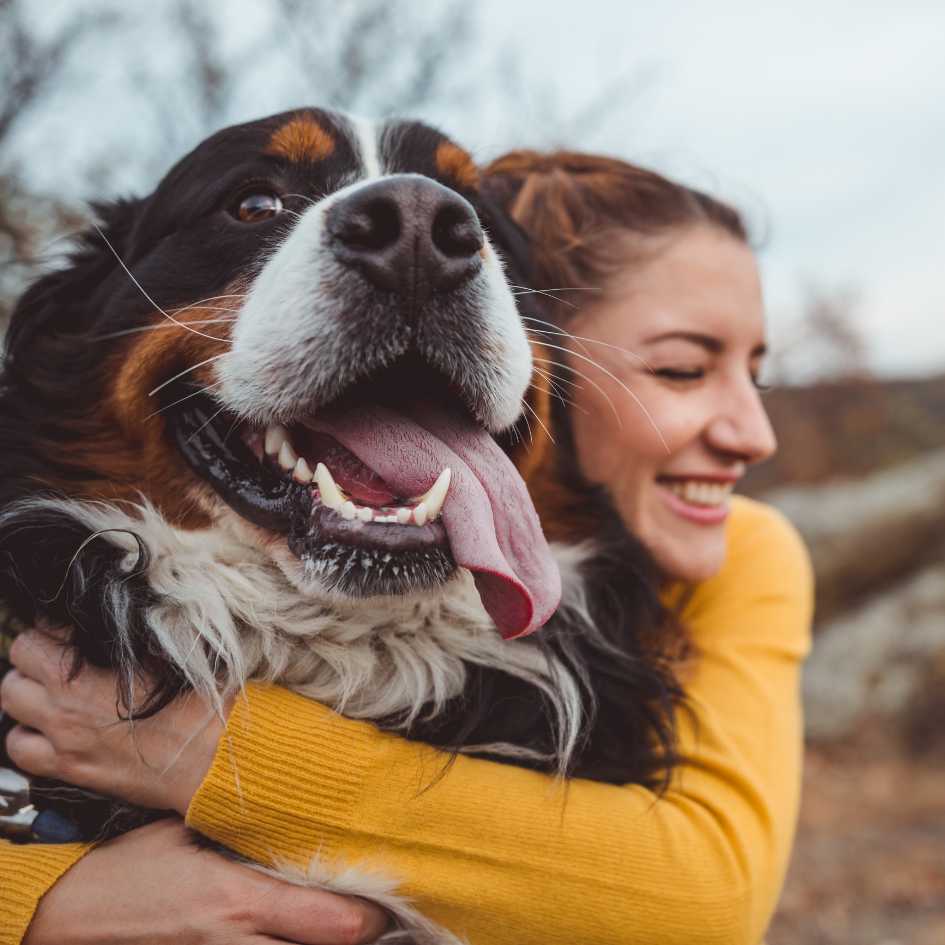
(71, 730)
(153, 886)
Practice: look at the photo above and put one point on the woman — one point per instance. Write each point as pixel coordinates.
(490, 850)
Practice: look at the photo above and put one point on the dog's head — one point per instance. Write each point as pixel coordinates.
(303, 334)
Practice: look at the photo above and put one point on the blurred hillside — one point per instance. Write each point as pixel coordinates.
(847, 429)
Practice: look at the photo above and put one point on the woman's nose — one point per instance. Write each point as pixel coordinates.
(742, 428)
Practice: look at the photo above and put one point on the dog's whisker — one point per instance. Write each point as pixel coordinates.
(534, 413)
(212, 298)
(558, 330)
(545, 292)
(519, 290)
(590, 380)
(163, 326)
(193, 367)
(206, 423)
(211, 308)
(613, 377)
(525, 289)
(528, 426)
(556, 389)
(229, 432)
(202, 390)
(563, 380)
(142, 290)
(536, 333)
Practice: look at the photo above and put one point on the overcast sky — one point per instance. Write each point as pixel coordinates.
(823, 119)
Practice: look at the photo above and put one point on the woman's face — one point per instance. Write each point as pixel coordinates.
(670, 453)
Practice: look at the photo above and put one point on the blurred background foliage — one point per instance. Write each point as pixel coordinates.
(861, 466)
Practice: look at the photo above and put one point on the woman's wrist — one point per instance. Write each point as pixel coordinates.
(154, 886)
(70, 730)
(187, 772)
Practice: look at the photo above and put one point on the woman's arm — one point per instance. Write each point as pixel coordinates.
(155, 886)
(494, 852)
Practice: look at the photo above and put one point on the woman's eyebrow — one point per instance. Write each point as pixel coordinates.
(711, 344)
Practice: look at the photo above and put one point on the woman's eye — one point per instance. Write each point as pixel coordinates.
(254, 208)
(680, 374)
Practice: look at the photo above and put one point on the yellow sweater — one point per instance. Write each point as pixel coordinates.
(492, 851)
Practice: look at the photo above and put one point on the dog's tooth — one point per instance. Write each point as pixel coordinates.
(434, 497)
(348, 510)
(276, 435)
(420, 513)
(403, 516)
(287, 457)
(365, 514)
(330, 493)
(302, 472)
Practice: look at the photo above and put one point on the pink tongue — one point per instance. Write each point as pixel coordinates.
(492, 526)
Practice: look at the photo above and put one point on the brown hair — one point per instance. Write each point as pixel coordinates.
(582, 212)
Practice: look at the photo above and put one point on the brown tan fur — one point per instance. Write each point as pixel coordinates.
(127, 445)
(301, 139)
(455, 163)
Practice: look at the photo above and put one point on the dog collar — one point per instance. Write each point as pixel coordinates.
(22, 822)
(17, 812)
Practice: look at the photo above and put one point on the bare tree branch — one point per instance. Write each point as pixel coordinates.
(30, 64)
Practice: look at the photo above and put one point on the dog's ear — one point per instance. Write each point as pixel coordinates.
(57, 304)
(506, 236)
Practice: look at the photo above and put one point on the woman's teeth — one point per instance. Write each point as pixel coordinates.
(700, 492)
(419, 511)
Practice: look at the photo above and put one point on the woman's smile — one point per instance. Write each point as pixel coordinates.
(695, 499)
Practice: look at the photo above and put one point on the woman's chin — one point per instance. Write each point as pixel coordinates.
(689, 554)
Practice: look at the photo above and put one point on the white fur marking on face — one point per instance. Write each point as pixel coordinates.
(366, 133)
(291, 343)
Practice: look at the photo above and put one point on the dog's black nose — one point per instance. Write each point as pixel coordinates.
(407, 234)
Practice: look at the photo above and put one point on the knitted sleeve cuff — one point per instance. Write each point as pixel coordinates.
(26, 873)
(286, 779)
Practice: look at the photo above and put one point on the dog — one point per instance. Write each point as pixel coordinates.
(270, 423)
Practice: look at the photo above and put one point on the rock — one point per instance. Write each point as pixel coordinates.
(873, 663)
(867, 536)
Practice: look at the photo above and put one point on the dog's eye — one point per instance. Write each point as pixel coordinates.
(254, 208)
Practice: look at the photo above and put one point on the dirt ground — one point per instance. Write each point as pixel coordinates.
(869, 864)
